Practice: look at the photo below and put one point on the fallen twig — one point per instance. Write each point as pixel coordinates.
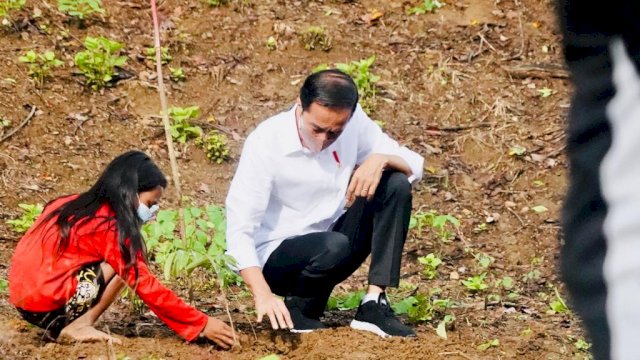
(22, 124)
(458, 353)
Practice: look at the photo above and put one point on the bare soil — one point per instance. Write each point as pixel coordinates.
(460, 86)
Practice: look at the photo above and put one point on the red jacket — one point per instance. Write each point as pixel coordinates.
(40, 280)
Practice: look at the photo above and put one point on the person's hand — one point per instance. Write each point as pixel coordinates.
(275, 309)
(219, 332)
(366, 178)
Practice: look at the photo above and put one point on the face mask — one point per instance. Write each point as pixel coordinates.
(145, 213)
(312, 144)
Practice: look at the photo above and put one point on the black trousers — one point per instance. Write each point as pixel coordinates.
(310, 266)
(600, 243)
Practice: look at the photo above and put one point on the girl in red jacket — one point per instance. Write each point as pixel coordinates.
(72, 264)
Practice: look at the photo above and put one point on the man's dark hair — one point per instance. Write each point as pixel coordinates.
(331, 88)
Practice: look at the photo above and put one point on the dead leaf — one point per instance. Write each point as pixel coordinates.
(372, 16)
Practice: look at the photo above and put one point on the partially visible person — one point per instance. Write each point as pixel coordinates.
(318, 190)
(84, 248)
(601, 217)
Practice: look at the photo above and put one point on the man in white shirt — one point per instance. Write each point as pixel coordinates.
(319, 188)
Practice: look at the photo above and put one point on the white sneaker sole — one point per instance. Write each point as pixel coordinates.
(361, 325)
(296, 331)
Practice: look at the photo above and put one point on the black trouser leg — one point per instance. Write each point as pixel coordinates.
(301, 267)
(309, 266)
(378, 227)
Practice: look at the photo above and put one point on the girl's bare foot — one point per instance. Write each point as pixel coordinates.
(86, 333)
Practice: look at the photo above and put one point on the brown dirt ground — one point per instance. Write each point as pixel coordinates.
(460, 86)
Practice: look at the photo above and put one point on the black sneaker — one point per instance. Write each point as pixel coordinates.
(301, 322)
(377, 317)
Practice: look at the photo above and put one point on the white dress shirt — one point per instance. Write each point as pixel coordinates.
(281, 190)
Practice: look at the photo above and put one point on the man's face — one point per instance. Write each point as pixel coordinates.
(320, 126)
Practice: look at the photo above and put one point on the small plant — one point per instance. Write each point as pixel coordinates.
(484, 260)
(316, 37)
(177, 74)
(80, 8)
(347, 301)
(425, 7)
(204, 247)
(421, 220)
(99, 60)
(272, 44)
(165, 57)
(476, 283)
(582, 345)
(30, 213)
(489, 344)
(4, 285)
(545, 92)
(40, 65)
(532, 275)
(421, 307)
(8, 5)
(431, 263)
(181, 129)
(216, 3)
(215, 145)
(557, 306)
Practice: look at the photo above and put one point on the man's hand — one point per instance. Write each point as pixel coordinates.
(218, 332)
(366, 178)
(272, 306)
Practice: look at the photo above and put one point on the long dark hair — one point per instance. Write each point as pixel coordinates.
(118, 186)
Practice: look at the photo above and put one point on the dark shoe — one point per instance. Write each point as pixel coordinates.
(377, 317)
(298, 309)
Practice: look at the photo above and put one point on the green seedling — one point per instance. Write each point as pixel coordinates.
(426, 6)
(80, 8)
(582, 345)
(422, 307)
(181, 128)
(480, 228)
(347, 301)
(204, 245)
(99, 61)
(40, 65)
(431, 263)
(4, 285)
(165, 57)
(4, 123)
(517, 150)
(215, 146)
(484, 260)
(270, 357)
(557, 306)
(476, 283)
(316, 37)
(272, 44)
(216, 3)
(489, 344)
(441, 223)
(545, 92)
(8, 5)
(506, 282)
(30, 213)
(177, 74)
(532, 275)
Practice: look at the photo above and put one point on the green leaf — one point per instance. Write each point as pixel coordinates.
(489, 344)
(4, 285)
(351, 301)
(539, 209)
(402, 307)
(270, 357)
(545, 92)
(517, 150)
